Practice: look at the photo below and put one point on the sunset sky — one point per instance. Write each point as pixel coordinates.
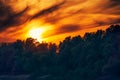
(53, 20)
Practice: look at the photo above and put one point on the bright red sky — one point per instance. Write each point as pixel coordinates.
(53, 20)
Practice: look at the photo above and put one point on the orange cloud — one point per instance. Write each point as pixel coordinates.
(58, 17)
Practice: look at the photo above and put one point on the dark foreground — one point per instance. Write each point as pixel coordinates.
(96, 56)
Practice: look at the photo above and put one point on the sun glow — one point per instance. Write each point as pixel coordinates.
(36, 34)
(38, 30)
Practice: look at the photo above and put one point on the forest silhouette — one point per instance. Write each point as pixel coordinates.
(95, 56)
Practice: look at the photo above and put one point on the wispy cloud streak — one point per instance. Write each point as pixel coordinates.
(79, 14)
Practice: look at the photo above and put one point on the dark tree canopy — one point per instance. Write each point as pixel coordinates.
(95, 56)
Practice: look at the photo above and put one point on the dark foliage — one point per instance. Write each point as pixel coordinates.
(96, 56)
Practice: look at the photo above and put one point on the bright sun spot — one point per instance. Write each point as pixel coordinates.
(36, 34)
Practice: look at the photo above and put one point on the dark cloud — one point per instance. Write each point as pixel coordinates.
(86, 13)
(68, 28)
(114, 3)
(56, 18)
(15, 19)
(48, 10)
(4, 10)
(10, 19)
(109, 21)
(111, 7)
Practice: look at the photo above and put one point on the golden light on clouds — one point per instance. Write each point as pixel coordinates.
(37, 30)
(53, 20)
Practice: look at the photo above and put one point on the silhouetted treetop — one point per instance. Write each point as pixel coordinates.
(95, 56)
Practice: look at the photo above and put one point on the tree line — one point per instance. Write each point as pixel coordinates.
(95, 56)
